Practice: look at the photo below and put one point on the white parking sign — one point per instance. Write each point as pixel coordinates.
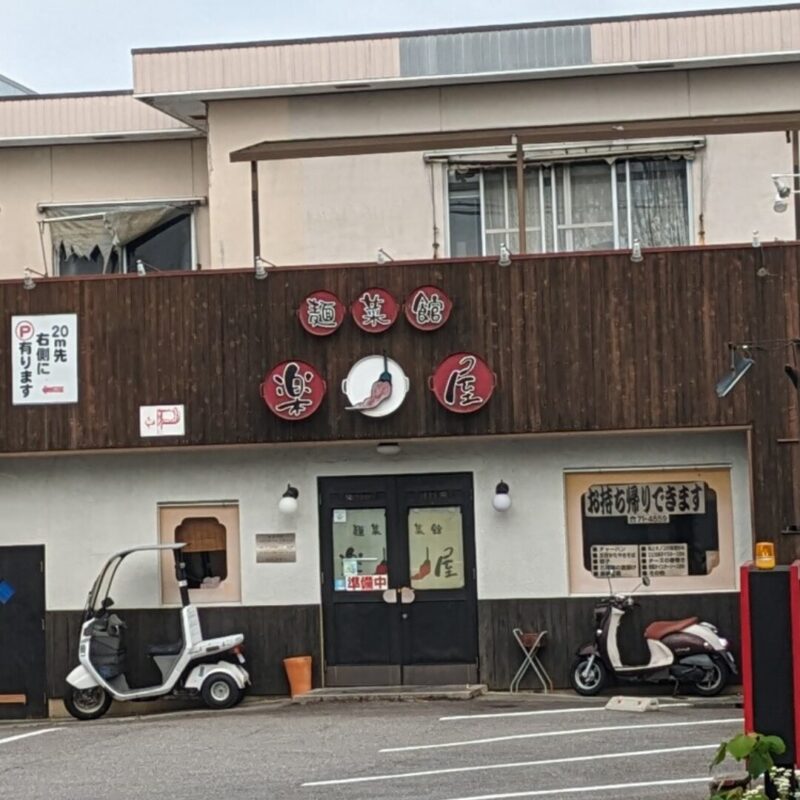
(44, 359)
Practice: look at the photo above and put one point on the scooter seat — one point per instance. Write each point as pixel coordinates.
(171, 649)
(661, 628)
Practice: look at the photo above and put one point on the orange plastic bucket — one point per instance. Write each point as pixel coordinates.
(298, 671)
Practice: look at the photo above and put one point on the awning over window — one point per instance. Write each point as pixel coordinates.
(81, 229)
(576, 151)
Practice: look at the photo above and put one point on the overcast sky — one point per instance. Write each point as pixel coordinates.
(80, 45)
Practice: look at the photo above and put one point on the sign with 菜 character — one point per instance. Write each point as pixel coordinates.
(664, 560)
(44, 359)
(463, 383)
(436, 547)
(375, 310)
(615, 560)
(321, 313)
(293, 390)
(427, 308)
(645, 503)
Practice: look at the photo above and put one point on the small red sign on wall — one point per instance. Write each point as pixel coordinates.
(463, 383)
(321, 313)
(293, 390)
(427, 308)
(375, 310)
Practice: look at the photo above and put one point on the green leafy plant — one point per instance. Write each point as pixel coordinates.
(757, 752)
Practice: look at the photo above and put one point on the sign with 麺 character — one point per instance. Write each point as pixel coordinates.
(44, 359)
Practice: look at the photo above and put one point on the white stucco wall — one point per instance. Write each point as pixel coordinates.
(83, 508)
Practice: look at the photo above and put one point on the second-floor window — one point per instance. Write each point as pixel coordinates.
(589, 205)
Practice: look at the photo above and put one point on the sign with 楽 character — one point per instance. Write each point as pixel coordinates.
(44, 359)
(293, 390)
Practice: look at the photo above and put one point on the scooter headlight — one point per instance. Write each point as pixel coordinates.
(723, 642)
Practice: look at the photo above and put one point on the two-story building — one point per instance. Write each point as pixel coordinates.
(538, 242)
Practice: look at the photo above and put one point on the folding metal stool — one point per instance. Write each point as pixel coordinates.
(531, 644)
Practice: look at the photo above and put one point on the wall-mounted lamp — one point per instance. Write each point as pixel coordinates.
(28, 282)
(782, 192)
(505, 256)
(502, 499)
(388, 448)
(383, 257)
(288, 503)
(260, 265)
(636, 252)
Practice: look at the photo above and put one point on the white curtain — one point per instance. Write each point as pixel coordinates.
(82, 229)
(658, 194)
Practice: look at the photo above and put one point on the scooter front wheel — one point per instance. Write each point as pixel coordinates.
(588, 675)
(86, 704)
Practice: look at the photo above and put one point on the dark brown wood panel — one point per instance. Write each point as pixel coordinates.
(272, 633)
(568, 621)
(583, 342)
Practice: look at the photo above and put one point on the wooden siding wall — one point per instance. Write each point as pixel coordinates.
(579, 343)
(569, 624)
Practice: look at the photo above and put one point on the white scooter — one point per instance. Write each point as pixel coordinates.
(212, 668)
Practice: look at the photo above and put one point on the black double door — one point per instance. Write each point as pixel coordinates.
(398, 580)
(22, 636)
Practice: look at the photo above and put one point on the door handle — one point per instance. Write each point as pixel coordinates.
(407, 595)
(390, 596)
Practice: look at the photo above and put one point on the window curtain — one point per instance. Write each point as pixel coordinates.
(81, 230)
(659, 202)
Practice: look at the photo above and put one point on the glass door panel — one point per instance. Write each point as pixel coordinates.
(360, 550)
(436, 548)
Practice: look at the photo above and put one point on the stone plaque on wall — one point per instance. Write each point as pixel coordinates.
(275, 548)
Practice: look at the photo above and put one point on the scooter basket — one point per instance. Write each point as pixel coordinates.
(107, 650)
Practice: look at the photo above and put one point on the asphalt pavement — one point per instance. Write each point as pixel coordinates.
(491, 748)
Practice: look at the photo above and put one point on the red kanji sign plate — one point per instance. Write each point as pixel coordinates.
(428, 308)
(463, 383)
(293, 390)
(321, 313)
(375, 310)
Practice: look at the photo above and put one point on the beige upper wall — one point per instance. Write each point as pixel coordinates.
(333, 210)
(95, 173)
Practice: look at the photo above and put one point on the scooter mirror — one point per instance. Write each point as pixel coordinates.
(646, 580)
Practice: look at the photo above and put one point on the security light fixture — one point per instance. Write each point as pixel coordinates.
(740, 364)
(28, 282)
(636, 252)
(502, 499)
(140, 267)
(288, 503)
(505, 256)
(387, 448)
(383, 257)
(783, 191)
(260, 265)
(756, 241)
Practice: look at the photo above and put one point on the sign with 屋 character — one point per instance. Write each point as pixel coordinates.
(44, 359)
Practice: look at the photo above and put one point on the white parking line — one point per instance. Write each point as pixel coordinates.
(512, 765)
(546, 711)
(574, 732)
(584, 789)
(28, 735)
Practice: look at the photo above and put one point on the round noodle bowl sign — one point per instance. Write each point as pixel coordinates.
(293, 390)
(375, 310)
(321, 313)
(463, 383)
(428, 308)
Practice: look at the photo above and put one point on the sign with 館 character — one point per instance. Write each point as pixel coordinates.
(44, 359)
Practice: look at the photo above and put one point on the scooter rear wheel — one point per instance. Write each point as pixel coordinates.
(716, 679)
(591, 681)
(85, 704)
(220, 691)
